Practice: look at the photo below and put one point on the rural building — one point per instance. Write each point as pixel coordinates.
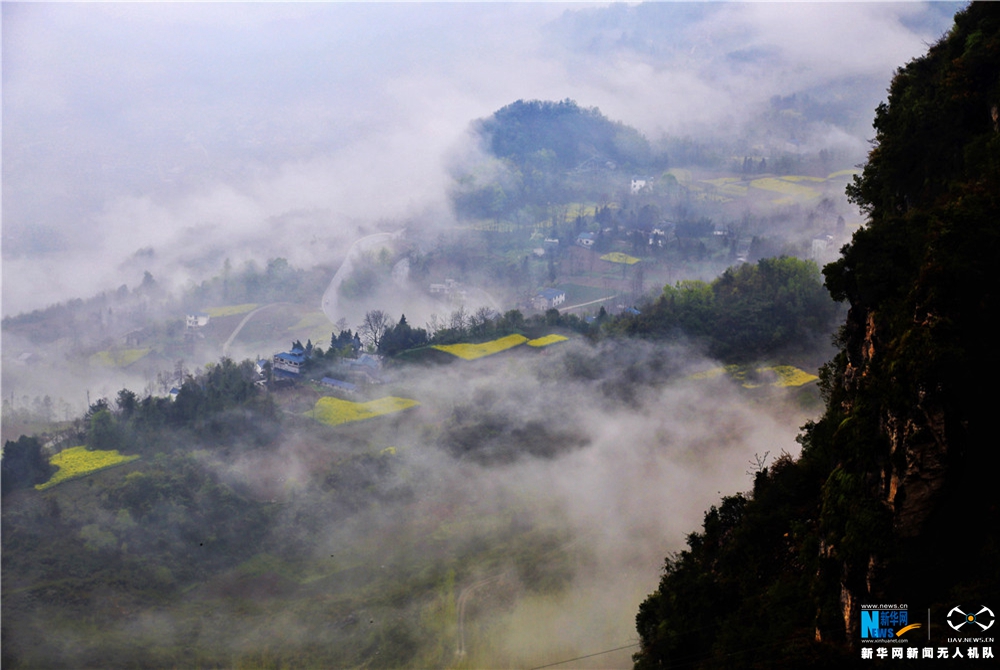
(586, 240)
(820, 247)
(346, 387)
(197, 320)
(289, 361)
(447, 287)
(365, 370)
(548, 298)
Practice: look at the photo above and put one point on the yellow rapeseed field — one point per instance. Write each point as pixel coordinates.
(788, 375)
(733, 189)
(118, 358)
(619, 257)
(334, 411)
(547, 340)
(79, 461)
(230, 310)
(473, 351)
(707, 374)
(784, 187)
(791, 376)
(721, 181)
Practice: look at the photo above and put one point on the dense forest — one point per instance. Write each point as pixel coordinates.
(893, 488)
(777, 305)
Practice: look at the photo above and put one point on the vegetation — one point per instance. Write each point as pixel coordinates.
(245, 288)
(775, 576)
(776, 305)
(23, 464)
(546, 152)
(80, 461)
(252, 534)
(207, 535)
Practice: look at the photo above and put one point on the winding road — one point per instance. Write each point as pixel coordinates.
(246, 319)
(329, 304)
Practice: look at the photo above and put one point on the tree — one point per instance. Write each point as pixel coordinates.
(23, 464)
(401, 337)
(374, 327)
(481, 321)
(127, 401)
(104, 432)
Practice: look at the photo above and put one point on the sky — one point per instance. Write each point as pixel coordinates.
(170, 136)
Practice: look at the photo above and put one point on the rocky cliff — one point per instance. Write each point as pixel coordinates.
(918, 353)
(892, 497)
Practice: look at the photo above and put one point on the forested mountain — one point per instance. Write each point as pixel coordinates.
(546, 152)
(561, 132)
(891, 500)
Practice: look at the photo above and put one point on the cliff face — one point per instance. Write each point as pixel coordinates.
(892, 497)
(916, 469)
(917, 350)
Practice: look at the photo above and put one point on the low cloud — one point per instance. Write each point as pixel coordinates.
(197, 130)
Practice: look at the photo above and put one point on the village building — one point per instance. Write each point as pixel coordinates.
(447, 287)
(345, 387)
(289, 361)
(196, 320)
(548, 298)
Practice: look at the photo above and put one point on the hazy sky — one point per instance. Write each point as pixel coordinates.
(203, 131)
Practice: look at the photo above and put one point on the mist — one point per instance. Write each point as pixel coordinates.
(521, 550)
(202, 132)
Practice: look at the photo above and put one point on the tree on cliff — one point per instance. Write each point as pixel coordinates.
(891, 499)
